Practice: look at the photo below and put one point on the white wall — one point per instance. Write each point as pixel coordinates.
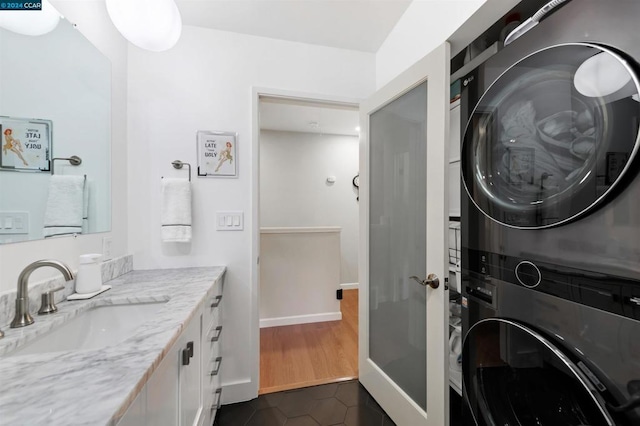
(425, 25)
(299, 275)
(205, 83)
(294, 191)
(93, 21)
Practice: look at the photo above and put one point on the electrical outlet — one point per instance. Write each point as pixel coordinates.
(107, 243)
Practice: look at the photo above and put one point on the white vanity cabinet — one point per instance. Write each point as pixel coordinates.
(190, 374)
(173, 392)
(137, 413)
(185, 388)
(162, 391)
(212, 356)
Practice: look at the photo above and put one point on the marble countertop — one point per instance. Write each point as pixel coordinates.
(95, 387)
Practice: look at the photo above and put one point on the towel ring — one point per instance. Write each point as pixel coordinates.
(177, 164)
(74, 160)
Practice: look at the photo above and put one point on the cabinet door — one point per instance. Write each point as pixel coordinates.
(191, 373)
(162, 391)
(136, 414)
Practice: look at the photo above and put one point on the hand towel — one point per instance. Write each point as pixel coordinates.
(176, 210)
(85, 207)
(63, 212)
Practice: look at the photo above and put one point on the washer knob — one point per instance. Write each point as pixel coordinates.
(528, 274)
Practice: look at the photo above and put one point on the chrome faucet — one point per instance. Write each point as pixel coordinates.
(23, 318)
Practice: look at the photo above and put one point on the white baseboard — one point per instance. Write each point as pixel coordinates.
(300, 319)
(240, 391)
(349, 286)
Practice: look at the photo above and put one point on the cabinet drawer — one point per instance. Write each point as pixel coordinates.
(212, 307)
(211, 381)
(210, 410)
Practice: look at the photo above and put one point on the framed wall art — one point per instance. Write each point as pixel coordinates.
(217, 154)
(26, 144)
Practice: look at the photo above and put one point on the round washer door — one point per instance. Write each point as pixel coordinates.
(552, 136)
(514, 376)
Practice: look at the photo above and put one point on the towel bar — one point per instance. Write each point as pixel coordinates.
(177, 164)
(74, 160)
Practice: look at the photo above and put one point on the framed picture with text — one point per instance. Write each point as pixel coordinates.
(26, 144)
(217, 154)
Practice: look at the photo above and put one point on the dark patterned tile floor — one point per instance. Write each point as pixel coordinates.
(346, 403)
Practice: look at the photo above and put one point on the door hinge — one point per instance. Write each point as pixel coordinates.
(339, 294)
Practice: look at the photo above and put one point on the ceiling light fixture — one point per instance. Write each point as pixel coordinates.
(153, 25)
(357, 128)
(31, 22)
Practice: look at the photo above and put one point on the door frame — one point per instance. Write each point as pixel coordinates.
(389, 395)
(254, 231)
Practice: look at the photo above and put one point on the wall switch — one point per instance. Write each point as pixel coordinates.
(107, 243)
(229, 221)
(14, 223)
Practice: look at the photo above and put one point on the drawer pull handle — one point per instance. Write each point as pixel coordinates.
(217, 302)
(187, 353)
(217, 370)
(217, 336)
(218, 403)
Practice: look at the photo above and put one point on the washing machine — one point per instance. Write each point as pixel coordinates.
(551, 223)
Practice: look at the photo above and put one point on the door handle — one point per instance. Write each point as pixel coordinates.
(432, 281)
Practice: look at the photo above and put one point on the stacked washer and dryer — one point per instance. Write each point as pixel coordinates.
(551, 223)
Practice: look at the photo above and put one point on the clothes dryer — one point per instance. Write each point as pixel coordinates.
(551, 223)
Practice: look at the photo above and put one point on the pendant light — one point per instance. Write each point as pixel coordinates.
(149, 24)
(31, 22)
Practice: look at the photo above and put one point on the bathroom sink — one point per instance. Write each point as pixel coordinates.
(95, 328)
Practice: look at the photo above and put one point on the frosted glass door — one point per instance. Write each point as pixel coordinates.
(397, 241)
(403, 342)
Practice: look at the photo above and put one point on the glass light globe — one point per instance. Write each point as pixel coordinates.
(153, 25)
(31, 22)
(601, 75)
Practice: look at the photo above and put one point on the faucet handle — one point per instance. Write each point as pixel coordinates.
(48, 305)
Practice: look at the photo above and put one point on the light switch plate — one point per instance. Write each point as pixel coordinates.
(14, 223)
(229, 221)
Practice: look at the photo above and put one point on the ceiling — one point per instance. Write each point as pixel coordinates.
(348, 24)
(292, 116)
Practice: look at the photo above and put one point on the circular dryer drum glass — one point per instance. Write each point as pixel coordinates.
(552, 136)
(514, 376)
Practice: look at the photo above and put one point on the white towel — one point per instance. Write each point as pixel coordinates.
(63, 213)
(176, 210)
(85, 207)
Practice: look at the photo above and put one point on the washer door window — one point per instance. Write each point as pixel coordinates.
(552, 136)
(513, 376)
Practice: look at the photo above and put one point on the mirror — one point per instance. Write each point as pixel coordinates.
(55, 102)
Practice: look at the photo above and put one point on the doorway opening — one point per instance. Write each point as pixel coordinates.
(308, 242)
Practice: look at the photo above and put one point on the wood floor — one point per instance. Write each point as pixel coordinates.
(296, 356)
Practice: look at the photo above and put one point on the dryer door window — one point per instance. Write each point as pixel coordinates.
(552, 136)
(514, 376)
